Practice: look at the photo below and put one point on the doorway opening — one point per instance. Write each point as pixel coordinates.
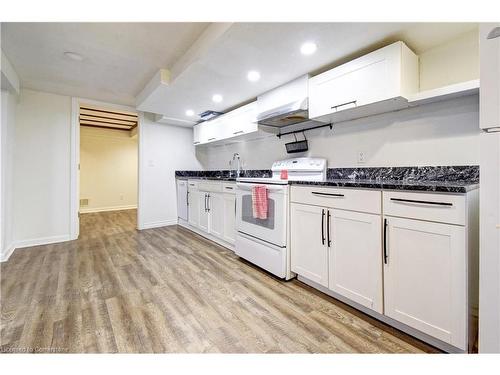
(108, 169)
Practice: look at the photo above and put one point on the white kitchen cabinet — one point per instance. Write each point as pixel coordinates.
(229, 234)
(238, 122)
(355, 259)
(489, 77)
(211, 208)
(215, 206)
(378, 82)
(309, 248)
(204, 217)
(425, 278)
(241, 121)
(196, 134)
(193, 204)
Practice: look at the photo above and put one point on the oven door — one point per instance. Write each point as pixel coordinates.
(272, 229)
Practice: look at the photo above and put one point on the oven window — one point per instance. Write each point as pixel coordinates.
(247, 212)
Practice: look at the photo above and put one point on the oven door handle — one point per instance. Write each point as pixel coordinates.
(245, 186)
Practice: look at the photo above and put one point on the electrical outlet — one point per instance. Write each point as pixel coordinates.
(361, 157)
(121, 197)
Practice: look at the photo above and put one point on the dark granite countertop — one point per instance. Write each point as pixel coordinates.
(228, 179)
(431, 186)
(444, 179)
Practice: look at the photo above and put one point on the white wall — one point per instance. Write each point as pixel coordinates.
(445, 133)
(162, 150)
(452, 62)
(42, 168)
(8, 111)
(108, 169)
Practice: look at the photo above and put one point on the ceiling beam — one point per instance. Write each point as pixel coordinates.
(107, 120)
(106, 115)
(100, 124)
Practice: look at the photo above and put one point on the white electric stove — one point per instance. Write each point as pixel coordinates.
(264, 242)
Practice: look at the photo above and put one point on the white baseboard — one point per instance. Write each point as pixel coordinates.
(8, 252)
(156, 224)
(104, 209)
(34, 242)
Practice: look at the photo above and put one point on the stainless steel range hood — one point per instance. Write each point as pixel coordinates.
(286, 105)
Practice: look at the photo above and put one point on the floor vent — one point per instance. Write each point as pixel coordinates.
(84, 202)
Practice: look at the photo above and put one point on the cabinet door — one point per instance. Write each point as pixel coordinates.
(242, 120)
(388, 73)
(216, 213)
(425, 278)
(229, 218)
(309, 252)
(489, 97)
(196, 134)
(203, 222)
(355, 261)
(194, 207)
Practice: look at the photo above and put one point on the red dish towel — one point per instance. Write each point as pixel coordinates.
(259, 202)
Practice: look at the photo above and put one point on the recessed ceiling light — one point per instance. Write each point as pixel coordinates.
(308, 48)
(73, 56)
(253, 76)
(189, 112)
(217, 98)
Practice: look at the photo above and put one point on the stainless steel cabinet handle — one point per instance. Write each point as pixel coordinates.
(238, 132)
(329, 242)
(211, 139)
(343, 104)
(208, 202)
(197, 142)
(229, 188)
(327, 194)
(421, 202)
(385, 241)
(323, 226)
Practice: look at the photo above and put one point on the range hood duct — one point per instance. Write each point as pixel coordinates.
(286, 105)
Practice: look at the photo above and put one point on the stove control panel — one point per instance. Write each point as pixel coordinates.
(306, 169)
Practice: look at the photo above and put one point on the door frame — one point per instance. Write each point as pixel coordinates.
(74, 229)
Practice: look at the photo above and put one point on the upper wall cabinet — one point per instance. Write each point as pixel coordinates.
(378, 82)
(490, 75)
(237, 123)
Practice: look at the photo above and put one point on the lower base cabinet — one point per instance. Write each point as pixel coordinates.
(213, 211)
(229, 234)
(411, 256)
(194, 207)
(425, 282)
(309, 248)
(203, 213)
(340, 250)
(215, 206)
(355, 259)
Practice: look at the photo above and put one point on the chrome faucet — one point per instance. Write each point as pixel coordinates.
(236, 157)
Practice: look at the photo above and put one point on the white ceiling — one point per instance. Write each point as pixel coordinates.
(122, 58)
(274, 50)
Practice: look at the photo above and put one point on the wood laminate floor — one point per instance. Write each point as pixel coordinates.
(116, 289)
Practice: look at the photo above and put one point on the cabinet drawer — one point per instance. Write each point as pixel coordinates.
(443, 208)
(210, 186)
(192, 185)
(346, 199)
(229, 187)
